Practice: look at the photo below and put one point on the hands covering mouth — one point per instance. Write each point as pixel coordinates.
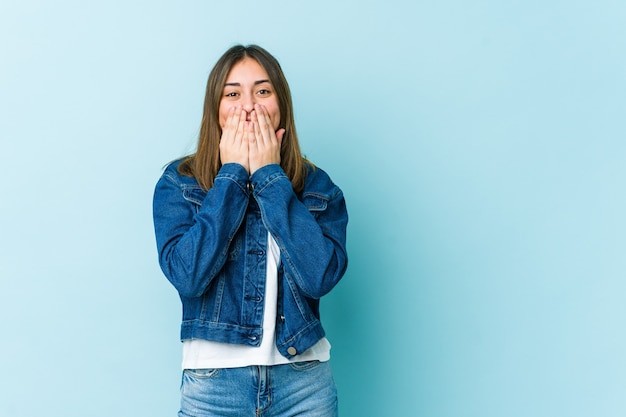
(249, 139)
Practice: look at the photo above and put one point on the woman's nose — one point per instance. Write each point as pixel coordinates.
(248, 103)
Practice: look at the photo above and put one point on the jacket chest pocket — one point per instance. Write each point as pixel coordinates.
(316, 203)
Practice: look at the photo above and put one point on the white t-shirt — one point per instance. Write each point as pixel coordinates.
(203, 354)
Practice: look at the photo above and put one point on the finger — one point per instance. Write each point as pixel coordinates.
(241, 126)
(248, 138)
(232, 123)
(254, 117)
(263, 136)
(227, 123)
(264, 122)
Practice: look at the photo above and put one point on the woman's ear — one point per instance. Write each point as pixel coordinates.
(279, 135)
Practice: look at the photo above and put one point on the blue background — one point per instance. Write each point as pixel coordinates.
(481, 148)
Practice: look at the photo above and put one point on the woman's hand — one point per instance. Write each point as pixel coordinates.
(234, 141)
(264, 143)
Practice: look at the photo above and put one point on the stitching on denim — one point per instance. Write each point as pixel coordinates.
(268, 182)
(306, 329)
(233, 179)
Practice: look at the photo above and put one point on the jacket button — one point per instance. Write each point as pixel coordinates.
(292, 350)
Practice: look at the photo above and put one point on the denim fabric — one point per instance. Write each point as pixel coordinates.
(303, 388)
(212, 249)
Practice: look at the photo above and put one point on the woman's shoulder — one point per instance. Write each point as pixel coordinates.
(318, 181)
(171, 173)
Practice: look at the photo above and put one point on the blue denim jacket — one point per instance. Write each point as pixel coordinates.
(212, 248)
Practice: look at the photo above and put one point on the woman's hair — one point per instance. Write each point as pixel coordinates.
(205, 163)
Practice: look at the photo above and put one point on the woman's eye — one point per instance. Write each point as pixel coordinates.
(263, 92)
(231, 94)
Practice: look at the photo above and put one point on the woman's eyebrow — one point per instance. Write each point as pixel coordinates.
(239, 84)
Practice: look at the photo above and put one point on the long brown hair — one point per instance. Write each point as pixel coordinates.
(205, 163)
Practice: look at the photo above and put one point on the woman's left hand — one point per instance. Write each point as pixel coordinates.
(263, 142)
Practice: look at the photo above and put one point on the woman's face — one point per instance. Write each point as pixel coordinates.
(248, 84)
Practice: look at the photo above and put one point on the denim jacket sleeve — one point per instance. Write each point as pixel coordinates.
(193, 239)
(310, 230)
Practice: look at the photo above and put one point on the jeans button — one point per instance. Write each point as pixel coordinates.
(292, 350)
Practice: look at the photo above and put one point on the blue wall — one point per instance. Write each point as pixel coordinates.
(480, 145)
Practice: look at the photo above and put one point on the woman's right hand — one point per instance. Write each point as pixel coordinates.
(234, 143)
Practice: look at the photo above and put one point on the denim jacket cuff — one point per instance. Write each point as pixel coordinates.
(265, 175)
(234, 172)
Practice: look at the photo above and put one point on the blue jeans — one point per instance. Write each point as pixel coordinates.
(295, 389)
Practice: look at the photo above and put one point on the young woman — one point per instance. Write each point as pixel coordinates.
(251, 235)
